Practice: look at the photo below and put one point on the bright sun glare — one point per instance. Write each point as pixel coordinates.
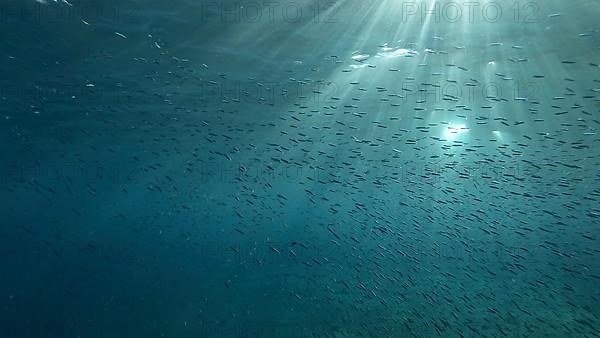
(454, 130)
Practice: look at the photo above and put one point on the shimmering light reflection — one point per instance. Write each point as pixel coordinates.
(454, 130)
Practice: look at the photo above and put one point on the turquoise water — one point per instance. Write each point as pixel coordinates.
(299, 169)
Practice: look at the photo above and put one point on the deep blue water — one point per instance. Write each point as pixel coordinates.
(299, 168)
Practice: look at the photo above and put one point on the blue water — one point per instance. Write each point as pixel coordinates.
(299, 168)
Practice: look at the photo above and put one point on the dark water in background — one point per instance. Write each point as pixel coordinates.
(170, 169)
